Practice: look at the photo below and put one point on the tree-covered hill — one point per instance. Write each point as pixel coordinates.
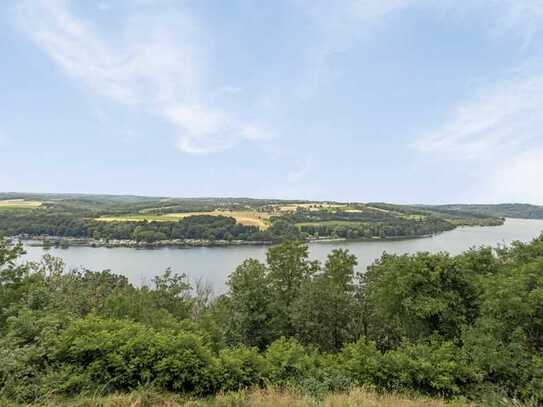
(507, 210)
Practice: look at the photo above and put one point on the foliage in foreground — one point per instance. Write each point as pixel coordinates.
(468, 326)
(270, 397)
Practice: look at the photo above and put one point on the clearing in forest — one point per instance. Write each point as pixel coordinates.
(19, 203)
(249, 218)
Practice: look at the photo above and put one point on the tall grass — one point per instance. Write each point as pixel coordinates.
(253, 398)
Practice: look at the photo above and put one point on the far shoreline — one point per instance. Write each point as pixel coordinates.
(47, 242)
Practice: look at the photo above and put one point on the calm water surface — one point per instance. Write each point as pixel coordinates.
(214, 264)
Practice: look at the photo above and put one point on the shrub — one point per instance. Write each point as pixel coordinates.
(240, 368)
(123, 355)
(289, 362)
(434, 368)
(361, 361)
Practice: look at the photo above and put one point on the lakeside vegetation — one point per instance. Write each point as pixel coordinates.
(131, 220)
(465, 328)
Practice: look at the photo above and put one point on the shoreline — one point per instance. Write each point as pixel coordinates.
(66, 242)
(48, 242)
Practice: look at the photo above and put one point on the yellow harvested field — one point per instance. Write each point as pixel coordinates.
(19, 203)
(378, 209)
(249, 218)
(316, 206)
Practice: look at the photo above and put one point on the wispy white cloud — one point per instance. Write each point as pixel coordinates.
(498, 126)
(349, 18)
(499, 129)
(500, 119)
(339, 25)
(207, 130)
(342, 24)
(161, 72)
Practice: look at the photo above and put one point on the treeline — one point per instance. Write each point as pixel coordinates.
(192, 227)
(522, 211)
(361, 215)
(469, 325)
(398, 228)
(206, 227)
(76, 216)
(96, 205)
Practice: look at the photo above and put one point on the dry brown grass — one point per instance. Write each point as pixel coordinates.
(363, 398)
(19, 203)
(248, 218)
(258, 398)
(315, 206)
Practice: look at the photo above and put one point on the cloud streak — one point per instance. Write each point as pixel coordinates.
(162, 70)
(499, 129)
(162, 73)
(500, 119)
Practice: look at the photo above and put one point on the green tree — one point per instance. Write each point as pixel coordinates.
(325, 312)
(12, 277)
(249, 304)
(417, 296)
(172, 292)
(288, 269)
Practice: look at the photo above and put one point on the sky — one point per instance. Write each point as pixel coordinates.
(405, 101)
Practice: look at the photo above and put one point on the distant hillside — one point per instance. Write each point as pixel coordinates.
(148, 220)
(508, 210)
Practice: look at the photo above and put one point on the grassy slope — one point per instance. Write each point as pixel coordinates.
(257, 398)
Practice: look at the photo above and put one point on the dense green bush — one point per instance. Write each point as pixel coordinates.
(361, 361)
(469, 325)
(431, 368)
(242, 367)
(124, 355)
(289, 361)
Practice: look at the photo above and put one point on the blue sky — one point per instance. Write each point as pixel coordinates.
(411, 101)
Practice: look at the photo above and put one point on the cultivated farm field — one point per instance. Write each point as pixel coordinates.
(19, 204)
(248, 218)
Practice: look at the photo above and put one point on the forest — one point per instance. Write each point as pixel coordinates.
(467, 328)
(523, 211)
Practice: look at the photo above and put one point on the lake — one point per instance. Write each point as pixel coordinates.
(213, 264)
